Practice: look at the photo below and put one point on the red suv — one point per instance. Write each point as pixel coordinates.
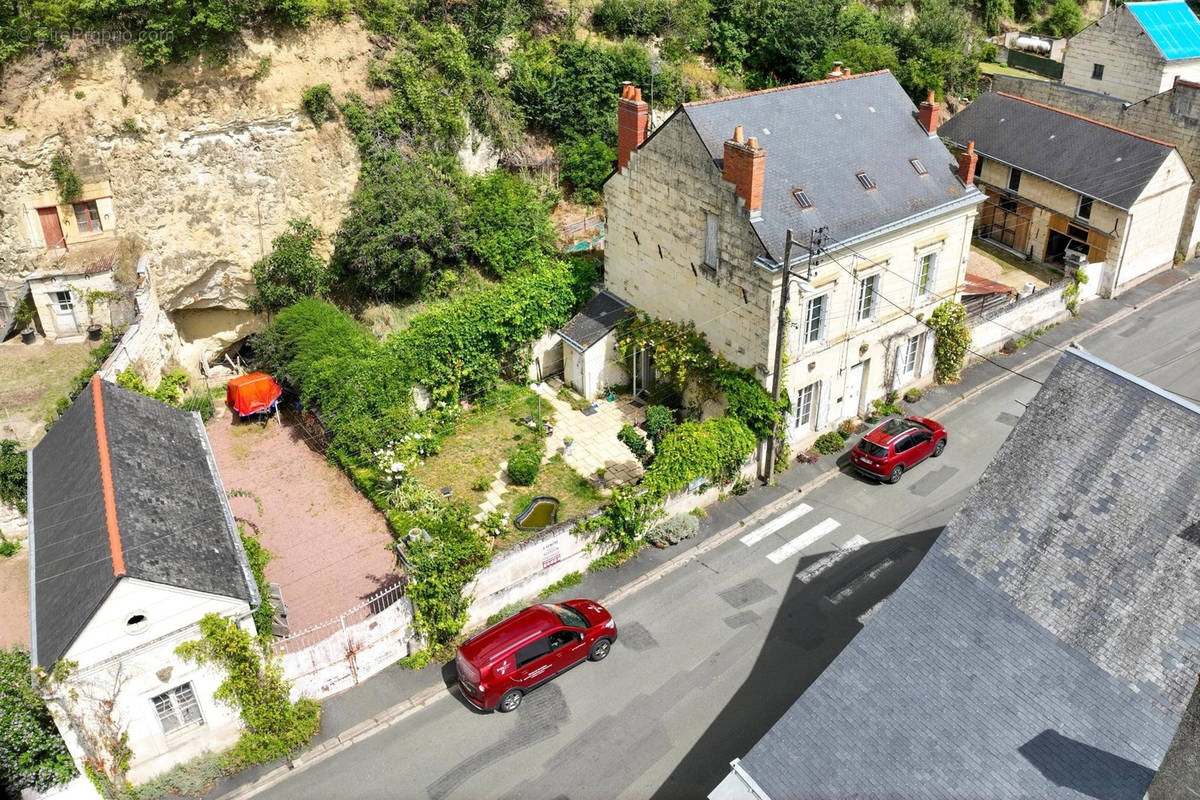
(499, 665)
(897, 445)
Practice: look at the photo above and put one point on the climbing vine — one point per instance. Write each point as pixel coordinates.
(1071, 293)
(952, 338)
(254, 684)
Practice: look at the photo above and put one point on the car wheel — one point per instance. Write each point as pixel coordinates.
(894, 475)
(510, 701)
(600, 650)
(938, 448)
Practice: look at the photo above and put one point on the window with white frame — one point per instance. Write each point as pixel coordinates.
(815, 312)
(711, 228)
(906, 359)
(926, 270)
(62, 300)
(806, 405)
(177, 708)
(868, 288)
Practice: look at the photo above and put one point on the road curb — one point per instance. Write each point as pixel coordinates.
(368, 728)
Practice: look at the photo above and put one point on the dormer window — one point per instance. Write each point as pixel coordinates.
(802, 198)
(865, 180)
(918, 166)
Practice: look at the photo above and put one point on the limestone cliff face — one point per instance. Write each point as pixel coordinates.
(206, 163)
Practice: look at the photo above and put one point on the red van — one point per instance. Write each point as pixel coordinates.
(499, 665)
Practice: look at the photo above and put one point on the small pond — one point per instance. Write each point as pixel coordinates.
(541, 512)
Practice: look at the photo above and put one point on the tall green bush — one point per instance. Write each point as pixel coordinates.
(710, 449)
(442, 568)
(952, 339)
(660, 421)
(13, 474)
(586, 162)
(292, 271)
(318, 103)
(32, 753)
(509, 222)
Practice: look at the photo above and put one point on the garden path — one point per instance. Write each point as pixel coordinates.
(595, 444)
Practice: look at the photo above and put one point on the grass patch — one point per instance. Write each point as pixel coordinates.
(33, 377)
(506, 612)
(482, 438)
(567, 581)
(992, 68)
(576, 496)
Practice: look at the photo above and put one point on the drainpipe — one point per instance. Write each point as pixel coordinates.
(1121, 256)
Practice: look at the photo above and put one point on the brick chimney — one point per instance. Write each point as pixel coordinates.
(966, 164)
(744, 167)
(837, 70)
(633, 117)
(928, 115)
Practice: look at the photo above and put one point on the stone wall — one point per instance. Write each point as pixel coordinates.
(1133, 66)
(1038, 310)
(206, 164)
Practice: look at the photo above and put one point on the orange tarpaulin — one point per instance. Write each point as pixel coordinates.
(252, 393)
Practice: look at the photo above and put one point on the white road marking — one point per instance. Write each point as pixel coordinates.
(782, 521)
(803, 540)
(817, 567)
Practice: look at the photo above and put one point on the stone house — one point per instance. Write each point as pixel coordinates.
(1136, 51)
(131, 543)
(1046, 646)
(881, 215)
(1058, 182)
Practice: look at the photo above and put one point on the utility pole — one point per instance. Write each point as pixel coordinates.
(780, 333)
(816, 241)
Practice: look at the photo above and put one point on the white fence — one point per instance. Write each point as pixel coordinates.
(335, 655)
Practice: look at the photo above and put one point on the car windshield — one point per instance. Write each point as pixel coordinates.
(569, 616)
(872, 449)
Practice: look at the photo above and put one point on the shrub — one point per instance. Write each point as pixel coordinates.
(509, 222)
(32, 754)
(885, 407)
(190, 779)
(258, 557)
(70, 186)
(830, 443)
(8, 547)
(442, 568)
(748, 400)
(952, 338)
(848, 427)
(1064, 21)
(418, 660)
(740, 486)
(673, 530)
(318, 103)
(912, 395)
(292, 271)
(482, 483)
(710, 449)
(630, 438)
(585, 163)
(13, 474)
(660, 421)
(565, 582)
(523, 465)
(506, 612)
(201, 402)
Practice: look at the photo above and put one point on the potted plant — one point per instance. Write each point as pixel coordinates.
(90, 298)
(600, 473)
(23, 321)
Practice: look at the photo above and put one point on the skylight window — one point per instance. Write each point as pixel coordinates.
(918, 166)
(865, 180)
(802, 198)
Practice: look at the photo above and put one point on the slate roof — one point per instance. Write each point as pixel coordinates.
(1107, 163)
(1179, 774)
(1172, 27)
(599, 316)
(818, 136)
(168, 521)
(1048, 644)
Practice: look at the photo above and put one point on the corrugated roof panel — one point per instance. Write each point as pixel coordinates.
(1171, 25)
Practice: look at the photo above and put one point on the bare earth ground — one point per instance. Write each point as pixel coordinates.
(14, 599)
(32, 378)
(1012, 273)
(330, 545)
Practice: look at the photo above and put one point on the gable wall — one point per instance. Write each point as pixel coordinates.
(1133, 66)
(1156, 217)
(662, 196)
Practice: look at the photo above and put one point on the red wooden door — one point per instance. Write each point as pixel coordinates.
(51, 227)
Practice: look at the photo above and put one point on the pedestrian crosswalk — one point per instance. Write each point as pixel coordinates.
(780, 522)
(798, 544)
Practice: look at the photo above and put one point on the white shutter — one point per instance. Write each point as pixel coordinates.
(823, 405)
(926, 363)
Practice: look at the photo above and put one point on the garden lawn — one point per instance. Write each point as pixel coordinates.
(32, 378)
(556, 479)
(482, 438)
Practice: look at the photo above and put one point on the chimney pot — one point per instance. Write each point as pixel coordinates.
(633, 117)
(738, 135)
(846, 72)
(752, 143)
(837, 70)
(966, 164)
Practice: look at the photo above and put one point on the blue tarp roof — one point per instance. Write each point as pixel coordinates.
(1171, 25)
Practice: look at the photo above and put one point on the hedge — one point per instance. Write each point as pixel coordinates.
(710, 449)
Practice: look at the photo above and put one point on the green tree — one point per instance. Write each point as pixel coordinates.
(787, 38)
(1064, 21)
(586, 162)
(12, 474)
(991, 13)
(274, 726)
(406, 223)
(509, 222)
(292, 271)
(442, 568)
(32, 754)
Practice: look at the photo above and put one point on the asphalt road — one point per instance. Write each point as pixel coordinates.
(710, 656)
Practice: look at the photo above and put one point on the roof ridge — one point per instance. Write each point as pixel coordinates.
(1086, 119)
(106, 480)
(785, 88)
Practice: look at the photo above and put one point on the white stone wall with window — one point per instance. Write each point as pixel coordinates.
(857, 328)
(126, 654)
